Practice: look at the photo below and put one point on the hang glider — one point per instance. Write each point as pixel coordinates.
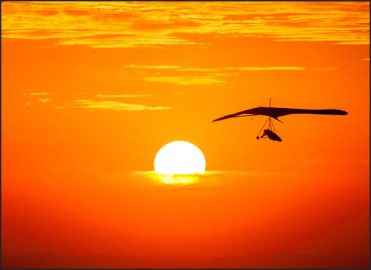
(278, 112)
(273, 112)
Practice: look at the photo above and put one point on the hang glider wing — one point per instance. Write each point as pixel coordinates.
(238, 114)
(277, 112)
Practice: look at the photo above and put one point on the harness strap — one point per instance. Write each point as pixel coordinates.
(263, 125)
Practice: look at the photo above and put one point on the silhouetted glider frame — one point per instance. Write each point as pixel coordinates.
(273, 112)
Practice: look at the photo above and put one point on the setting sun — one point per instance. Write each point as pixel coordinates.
(180, 157)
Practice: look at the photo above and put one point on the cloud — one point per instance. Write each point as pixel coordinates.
(44, 100)
(122, 95)
(136, 24)
(220, 71)
(208, 179)
(267, 68)
(181, 75)
(152, 66)
(41, 97)
(190, 75)
(279, 68)
(115, 105)
(161, 25)
(40, 94)
(171, 67)
(197, 69)
(185, 80)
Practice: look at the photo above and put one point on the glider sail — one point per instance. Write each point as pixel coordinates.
(278, 112)
(274, 112)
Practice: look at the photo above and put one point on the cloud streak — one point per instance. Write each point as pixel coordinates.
(268, 68)
(161, 67)
(190, 75)
(122, 95)
(135, 24)
(44, 100)
(115, 106)
(185, 80)
(40, 94)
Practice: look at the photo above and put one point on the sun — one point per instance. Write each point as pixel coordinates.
(180, 157)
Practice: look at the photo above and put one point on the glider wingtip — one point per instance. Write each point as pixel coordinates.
(218, 119)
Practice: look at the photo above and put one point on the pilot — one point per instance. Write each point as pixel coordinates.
(266, 133)
(271, 135)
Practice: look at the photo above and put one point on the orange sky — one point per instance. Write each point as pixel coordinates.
(92, 90)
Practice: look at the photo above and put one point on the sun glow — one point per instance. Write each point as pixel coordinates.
(180, 158)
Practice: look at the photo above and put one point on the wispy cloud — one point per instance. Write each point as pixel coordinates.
(267, 68)
(171, 67)
(152, 67)
(185, 80)
(135, 24)
(197, 69)
(219, 70)
(115, 105)
(41, 97)
(40, 94)
(191, 75)
(279, 68)
(122, 95)
(181, 75)
(44, 100)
